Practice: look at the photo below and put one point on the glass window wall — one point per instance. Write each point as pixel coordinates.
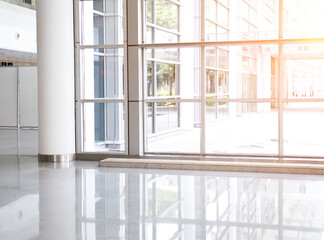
(102, 103)
(218, 77)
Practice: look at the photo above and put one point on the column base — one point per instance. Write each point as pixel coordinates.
(56, 158)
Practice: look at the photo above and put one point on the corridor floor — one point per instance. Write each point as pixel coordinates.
(79, 200)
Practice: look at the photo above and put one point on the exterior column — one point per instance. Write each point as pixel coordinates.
(55, 57)
(135, 95)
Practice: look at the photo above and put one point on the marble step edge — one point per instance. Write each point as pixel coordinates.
(290, 168)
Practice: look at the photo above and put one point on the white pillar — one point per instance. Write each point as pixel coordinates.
(55, 51)
(135, 96)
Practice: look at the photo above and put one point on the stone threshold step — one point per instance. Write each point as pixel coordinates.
(205, 165)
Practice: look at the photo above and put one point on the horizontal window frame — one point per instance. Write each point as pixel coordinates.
(173, 99)
(103, 100)
(282, 41)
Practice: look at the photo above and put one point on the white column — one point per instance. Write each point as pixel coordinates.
(55, 53)
(135, 93)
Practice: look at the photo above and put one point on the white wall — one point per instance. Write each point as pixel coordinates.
(9, 96)
(28, 97)
(17, 28)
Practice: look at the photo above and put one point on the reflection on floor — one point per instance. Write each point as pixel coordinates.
(79, 200)
(22, 142)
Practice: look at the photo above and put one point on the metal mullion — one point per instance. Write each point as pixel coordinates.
(233, 43)
(242, 100)
(154, 92)
(177, 70)
(77, 81)
(171, 100)
(280, 83)
(144, 95)
(102, 46)
(303, 100)
(144, 23)
(203, 78)
(102, 100)
(154, 80)
(144, 85)
(216, 76)
(105, 68)
(18, 116)
(125, 74)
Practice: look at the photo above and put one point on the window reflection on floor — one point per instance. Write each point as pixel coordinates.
(195, 205)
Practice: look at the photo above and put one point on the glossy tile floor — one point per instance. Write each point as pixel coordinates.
(81, 201)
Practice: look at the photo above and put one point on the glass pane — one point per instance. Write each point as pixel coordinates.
(211, 57)
(172, 127)
(216, 111)
(217, 84)
(304, 129)
(162, 117)
(247, 21)
(241, 128)
(164, 37)
(149, 74)
(267, 24)
(114, 7)
(104, 127)
(245, 10)
(166, 80)
(114, 29)
(167, 76)
(162, 16)
(225, 2)
(210, 82)
(253, 16)
(211, 10)
(223, 58)
(102, 73)
(211, 31)
(101, 22)
(171, 54)
(166, 14)
(222, 15)
(98, 31)
(302, 19)
(99, 77)
(304, 71)
(256, 23)
(149, 17)
(98, 5)
(222, 34)
(253, 71)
